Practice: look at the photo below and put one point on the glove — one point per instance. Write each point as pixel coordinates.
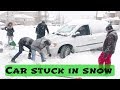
(23, 49)
(50, 55)
(74, 36)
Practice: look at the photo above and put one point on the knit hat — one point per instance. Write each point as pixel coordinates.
(109, 27)
(47, 42)
(43, 21)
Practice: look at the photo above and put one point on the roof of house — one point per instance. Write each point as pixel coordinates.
(1, 12)
(22, 16)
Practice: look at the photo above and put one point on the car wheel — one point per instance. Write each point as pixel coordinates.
(65, 51)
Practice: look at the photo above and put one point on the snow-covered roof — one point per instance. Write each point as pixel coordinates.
(80, 21)
(1, 12)
(115, 18)
(22, 16)
(112, 12)
(2, 23)
(100, 15)
(51, 18)
(28, 11)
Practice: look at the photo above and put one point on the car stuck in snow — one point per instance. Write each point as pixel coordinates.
(77, 36)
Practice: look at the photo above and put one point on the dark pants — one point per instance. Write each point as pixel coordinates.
(20, 51)
(39, 36)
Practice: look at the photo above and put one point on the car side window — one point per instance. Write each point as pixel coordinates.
(84, 30)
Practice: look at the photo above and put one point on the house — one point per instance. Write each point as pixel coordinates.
(23, 19)
(34, 16)
(100, 16)
(111, 14)
(115, 21)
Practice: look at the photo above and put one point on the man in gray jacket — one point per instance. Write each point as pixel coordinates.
(38, 45)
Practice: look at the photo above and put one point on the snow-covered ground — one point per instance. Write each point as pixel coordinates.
(76, 58)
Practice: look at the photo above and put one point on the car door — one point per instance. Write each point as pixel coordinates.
(98, 30)
(97, 40)
(83, 39)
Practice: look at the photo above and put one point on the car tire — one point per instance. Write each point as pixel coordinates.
(65, 51)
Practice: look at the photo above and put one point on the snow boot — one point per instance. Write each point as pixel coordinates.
(50, 55)
(13, 61)
(29, 57)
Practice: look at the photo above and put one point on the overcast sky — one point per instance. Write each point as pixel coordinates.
(70, 14)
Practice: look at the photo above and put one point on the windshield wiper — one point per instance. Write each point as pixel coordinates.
(60, 34)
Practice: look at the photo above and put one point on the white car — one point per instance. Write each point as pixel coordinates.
(2, 25)
(77, 36)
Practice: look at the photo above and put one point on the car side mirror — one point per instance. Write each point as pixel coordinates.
(53, 33)
(76, 34)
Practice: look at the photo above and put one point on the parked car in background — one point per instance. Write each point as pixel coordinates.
(2, 25)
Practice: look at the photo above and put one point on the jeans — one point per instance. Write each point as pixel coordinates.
(39, 36)
(21, 50)
(48, 50)
(41, 54)
(10, 38)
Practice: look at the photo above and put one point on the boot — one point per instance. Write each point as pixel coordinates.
(13, 61)
(101, 66)
(50, 55)
(107, 66)
(43, 60)
(29, 57)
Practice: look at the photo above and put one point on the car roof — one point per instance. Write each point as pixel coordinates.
(80, 21)
(83, 21)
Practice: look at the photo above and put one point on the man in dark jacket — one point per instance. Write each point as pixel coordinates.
(108, 47)
(25, 41)
(40, 30)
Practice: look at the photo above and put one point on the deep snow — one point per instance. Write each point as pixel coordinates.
(76, 58)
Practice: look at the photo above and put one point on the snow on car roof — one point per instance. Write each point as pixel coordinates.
(2, 23)
(80, 21)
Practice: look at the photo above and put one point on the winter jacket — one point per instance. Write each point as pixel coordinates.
(9, 30)
(110, 42)
(40, 30)
(25, 41)
(39, 44)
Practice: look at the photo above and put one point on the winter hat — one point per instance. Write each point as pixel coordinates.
(31, 41)
(47, 42)
(43, 21)
(109, 27)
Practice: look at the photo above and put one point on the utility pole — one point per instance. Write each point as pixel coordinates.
(38, 17)
(45, 16)
(59, 18)
(7, 17)
(96, 14)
